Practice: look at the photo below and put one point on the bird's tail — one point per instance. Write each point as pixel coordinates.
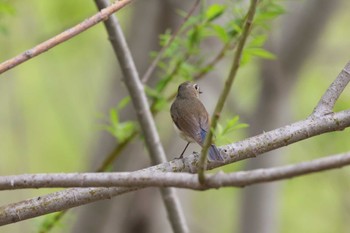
(214, 154)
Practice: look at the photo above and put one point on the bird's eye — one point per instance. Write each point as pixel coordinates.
(197, 88)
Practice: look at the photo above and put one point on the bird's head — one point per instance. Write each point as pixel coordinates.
(188, 89)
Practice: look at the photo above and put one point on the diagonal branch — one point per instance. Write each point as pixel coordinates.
(144, 115)
(66, 35)
(171, 179)
(228, 84)
(330, 97)
(247, 148)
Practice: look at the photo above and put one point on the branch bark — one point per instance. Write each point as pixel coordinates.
(66, 35)
(323, 121)
(171, 179)
(330, 97)
(144, 115)
(247, 148)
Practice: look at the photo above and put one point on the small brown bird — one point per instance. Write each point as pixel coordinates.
(191, 119)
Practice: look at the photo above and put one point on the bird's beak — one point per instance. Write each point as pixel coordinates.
(200, 92)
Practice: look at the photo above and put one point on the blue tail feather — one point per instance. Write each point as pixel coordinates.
(214, 154)
(203, 135)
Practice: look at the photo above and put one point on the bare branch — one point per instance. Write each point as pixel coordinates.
(247, 148)
(66, 35)
(171, 179)
(286, 135)
(144, 115)
(55, 202)
(330, 97)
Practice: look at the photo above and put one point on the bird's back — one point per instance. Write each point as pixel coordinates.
(191, 117)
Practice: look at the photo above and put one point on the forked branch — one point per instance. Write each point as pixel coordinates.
(247, 148)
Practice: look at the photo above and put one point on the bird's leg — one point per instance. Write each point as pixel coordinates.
(183, 151)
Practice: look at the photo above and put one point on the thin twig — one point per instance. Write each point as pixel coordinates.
(144, 115)
(66, 35)
(154, 63)
(171, 179)
(228, 84)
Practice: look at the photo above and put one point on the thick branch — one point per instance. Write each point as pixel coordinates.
(66, 35)
(330, 97)
(171, 179)
(148, 126)
(247, 148)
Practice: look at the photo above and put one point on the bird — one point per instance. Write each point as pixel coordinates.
(191, 119)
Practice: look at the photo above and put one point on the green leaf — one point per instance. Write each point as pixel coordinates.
(113, 116)
(220, 32)
(219, 129)
(194, 36)
(260, 52)
(121, 130)
(187, 69)
(164, 38)
(235, 28)
(124, 130)
(152, 92)
(160, 104)
(246, 57)
(123, 103)
(159, 87)
(272, 11)
(258, 41)
(214, 11)
(231, 125)
(191, 22)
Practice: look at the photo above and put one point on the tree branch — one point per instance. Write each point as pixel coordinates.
(330, 97)
(171, 179)
(228, 84)
(66, 35)
(247, 148)
(144, 115)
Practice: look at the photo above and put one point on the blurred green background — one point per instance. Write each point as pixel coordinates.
(52, 109)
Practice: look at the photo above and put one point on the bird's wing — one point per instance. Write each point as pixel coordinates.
(190, 122)
(203, 123)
